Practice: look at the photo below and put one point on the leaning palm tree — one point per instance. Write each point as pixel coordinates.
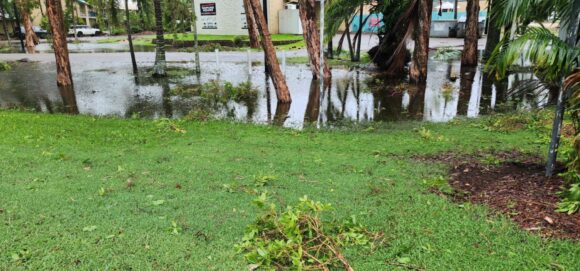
(159, 68)
(553, 57)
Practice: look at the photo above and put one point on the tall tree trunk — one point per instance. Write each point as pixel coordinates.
(418, 70)
(4, 25)
(195, 39)
(160, 63)
(29, 35)
(493, 33)
(568, 33)
(141, 15)
(469, 57)
(272, 64)
(251, 23)
(312, 37)
(130, 39)
(56, 20)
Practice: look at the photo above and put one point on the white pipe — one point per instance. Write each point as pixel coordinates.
(284, 62)
(217, 58)
(249, 62)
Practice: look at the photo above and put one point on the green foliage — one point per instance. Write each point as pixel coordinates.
(570, 203)
(4, 66)
(297, 238)
(447, 53)
(552, 58)
(61, 196)
(440, 184)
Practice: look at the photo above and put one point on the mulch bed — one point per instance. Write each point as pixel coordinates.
(516, 187)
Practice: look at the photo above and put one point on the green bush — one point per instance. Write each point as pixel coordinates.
(298, 239)
(4, 66)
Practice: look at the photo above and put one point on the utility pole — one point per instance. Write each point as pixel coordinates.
(195, 40)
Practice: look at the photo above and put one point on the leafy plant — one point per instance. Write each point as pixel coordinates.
(570, 203)
(4, 66)
(447, 53)
(264, 180)
(297, 238)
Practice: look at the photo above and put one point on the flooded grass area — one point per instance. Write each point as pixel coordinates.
(356, 95)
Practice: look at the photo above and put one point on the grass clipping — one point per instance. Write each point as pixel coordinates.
(297, 238)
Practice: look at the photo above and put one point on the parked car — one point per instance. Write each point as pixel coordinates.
(84, 30)
(41, 33)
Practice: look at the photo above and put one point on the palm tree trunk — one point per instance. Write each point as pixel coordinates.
(312, 37)
(272, 64)
(195, 39)
(130, 39)
(56, 19)
(251, 23)
(29, 35)
(493, 33)
(570, 35)
(160, 63)
(418, 70)
(469, 57)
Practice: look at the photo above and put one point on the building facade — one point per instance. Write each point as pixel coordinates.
(228, 17)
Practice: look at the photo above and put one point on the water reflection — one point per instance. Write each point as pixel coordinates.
(352, 96)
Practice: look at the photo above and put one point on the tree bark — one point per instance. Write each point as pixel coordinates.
(130, 39)
(493, 33)
(312, 37)
(252, 27)
(30, 37)
(56, 19)
(418, 70)
(469, 57)
(272, 63)
(359, 33)
(159, 68)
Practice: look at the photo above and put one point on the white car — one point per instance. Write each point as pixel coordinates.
(84, 30)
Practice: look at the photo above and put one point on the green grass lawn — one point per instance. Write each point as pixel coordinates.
(65, 203)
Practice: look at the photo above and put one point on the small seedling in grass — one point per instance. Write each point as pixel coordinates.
(440, 184)
(264, 180)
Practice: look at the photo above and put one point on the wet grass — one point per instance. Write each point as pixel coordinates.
(87, 193)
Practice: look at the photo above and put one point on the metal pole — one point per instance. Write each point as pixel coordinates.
(217, 59)
(321, 68)
(195, 40)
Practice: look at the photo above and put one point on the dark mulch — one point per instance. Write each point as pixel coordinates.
(514, 185)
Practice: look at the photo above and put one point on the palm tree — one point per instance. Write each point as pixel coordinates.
(554, 58)
(159, 68)
(469, 57)
(273, 66)
(312, 37)
(251, 25)
(60, 47)
(24, 7)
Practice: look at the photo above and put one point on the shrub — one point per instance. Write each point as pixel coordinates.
(298, 239)
(4, 66)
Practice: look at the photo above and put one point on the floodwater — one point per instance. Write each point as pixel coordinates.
(355, 95)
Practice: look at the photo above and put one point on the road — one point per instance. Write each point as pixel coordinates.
(146, 57)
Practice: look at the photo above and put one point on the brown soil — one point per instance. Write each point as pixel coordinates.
(514, 184)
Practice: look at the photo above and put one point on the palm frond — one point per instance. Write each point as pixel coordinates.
(551, 57)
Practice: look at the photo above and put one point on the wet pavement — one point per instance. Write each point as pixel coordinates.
(104, 86)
